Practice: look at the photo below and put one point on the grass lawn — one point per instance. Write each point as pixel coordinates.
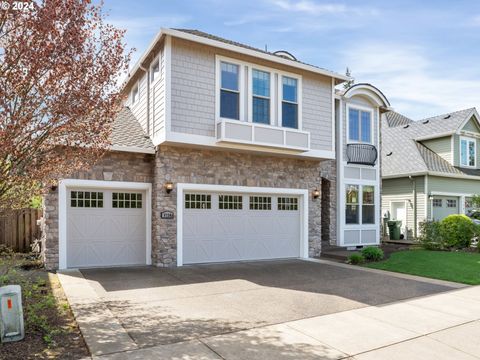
(452, 266)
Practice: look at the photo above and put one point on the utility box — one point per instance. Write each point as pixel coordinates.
(11, 314)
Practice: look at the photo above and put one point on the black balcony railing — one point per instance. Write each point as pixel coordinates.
(363, 154)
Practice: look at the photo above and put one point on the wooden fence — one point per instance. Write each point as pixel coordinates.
(19, 229)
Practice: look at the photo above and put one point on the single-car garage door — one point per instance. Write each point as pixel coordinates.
(105, 227)
(240, 226)
(443, 206)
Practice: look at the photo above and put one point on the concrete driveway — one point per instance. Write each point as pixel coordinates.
(226, 305)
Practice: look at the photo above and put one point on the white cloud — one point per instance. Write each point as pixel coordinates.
(315, 8)
(411, 80)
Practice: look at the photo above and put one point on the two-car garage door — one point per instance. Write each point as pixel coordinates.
(221, 226)
(105, 227)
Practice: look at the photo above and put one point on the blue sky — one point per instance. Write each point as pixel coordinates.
(424, 55)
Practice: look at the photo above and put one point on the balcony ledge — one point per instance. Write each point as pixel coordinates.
(242, 132)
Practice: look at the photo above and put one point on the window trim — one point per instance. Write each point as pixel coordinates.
(153, 80)
(467, 139)
(251, 95)
(218, 87)
(376, 205)
(137, 86)
(246, 92)
(280, 100)
(372, 130)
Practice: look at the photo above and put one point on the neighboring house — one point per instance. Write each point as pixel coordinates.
(430, 167)
(223, 152)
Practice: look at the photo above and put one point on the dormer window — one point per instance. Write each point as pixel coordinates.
(230, 91)
(468, 152)
(359, 125)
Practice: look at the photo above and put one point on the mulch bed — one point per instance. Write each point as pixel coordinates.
(50, 328)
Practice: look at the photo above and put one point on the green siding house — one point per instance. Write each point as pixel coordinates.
(430, 167)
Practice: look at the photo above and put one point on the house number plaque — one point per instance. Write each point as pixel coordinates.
(167, 215)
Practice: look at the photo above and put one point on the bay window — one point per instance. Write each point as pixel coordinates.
(230, 91)
(359, 126)
(261, 96)
(468, 152)
(289, 102)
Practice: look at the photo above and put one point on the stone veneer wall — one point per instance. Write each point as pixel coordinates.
(123, 166)
(182, 165)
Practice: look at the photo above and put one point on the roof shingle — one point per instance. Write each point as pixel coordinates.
(127, 132)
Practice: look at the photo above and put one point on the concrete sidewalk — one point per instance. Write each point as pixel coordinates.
(438, 326)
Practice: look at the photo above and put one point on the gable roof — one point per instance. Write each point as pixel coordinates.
(128, 135)
(403, 154)
(219, 42)
(395, 119)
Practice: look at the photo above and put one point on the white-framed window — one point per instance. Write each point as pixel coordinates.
(261, 93)
(135, 95)
(360, 204)
(155, 71)
(230, 202)
(198, 201)
(451, 203)
(260, 203)
(287, 203)
(258, 94)
(468, 152)
(123, 200)
(437, 202)
(229, 90)
(86, 199)
(352, 204)
(289, 102)
(360, 125)
(368, 204)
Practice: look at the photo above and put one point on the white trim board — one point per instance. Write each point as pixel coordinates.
(182, 187)
(62, 211)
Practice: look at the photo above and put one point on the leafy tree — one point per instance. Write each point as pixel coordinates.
(60, 64)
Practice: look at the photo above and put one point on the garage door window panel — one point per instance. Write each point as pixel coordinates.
(198, 201)
(260, 203)
(437, 202)
(86, 199)
(451, 203)
(127, 200)
(230, 202)
(287, 204)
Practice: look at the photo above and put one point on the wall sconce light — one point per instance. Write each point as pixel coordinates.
(316, 193)
(168, 187)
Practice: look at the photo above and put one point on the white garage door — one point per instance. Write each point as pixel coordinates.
(231, 227)
(105, 228)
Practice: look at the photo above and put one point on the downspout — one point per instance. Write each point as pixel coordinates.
(148, 97)
(414, 185)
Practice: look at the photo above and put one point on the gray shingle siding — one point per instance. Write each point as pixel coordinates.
(193, 93)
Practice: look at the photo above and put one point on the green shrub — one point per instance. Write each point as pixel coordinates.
(457, 231)
(372, 253)
(356, 259)
(431, 237)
